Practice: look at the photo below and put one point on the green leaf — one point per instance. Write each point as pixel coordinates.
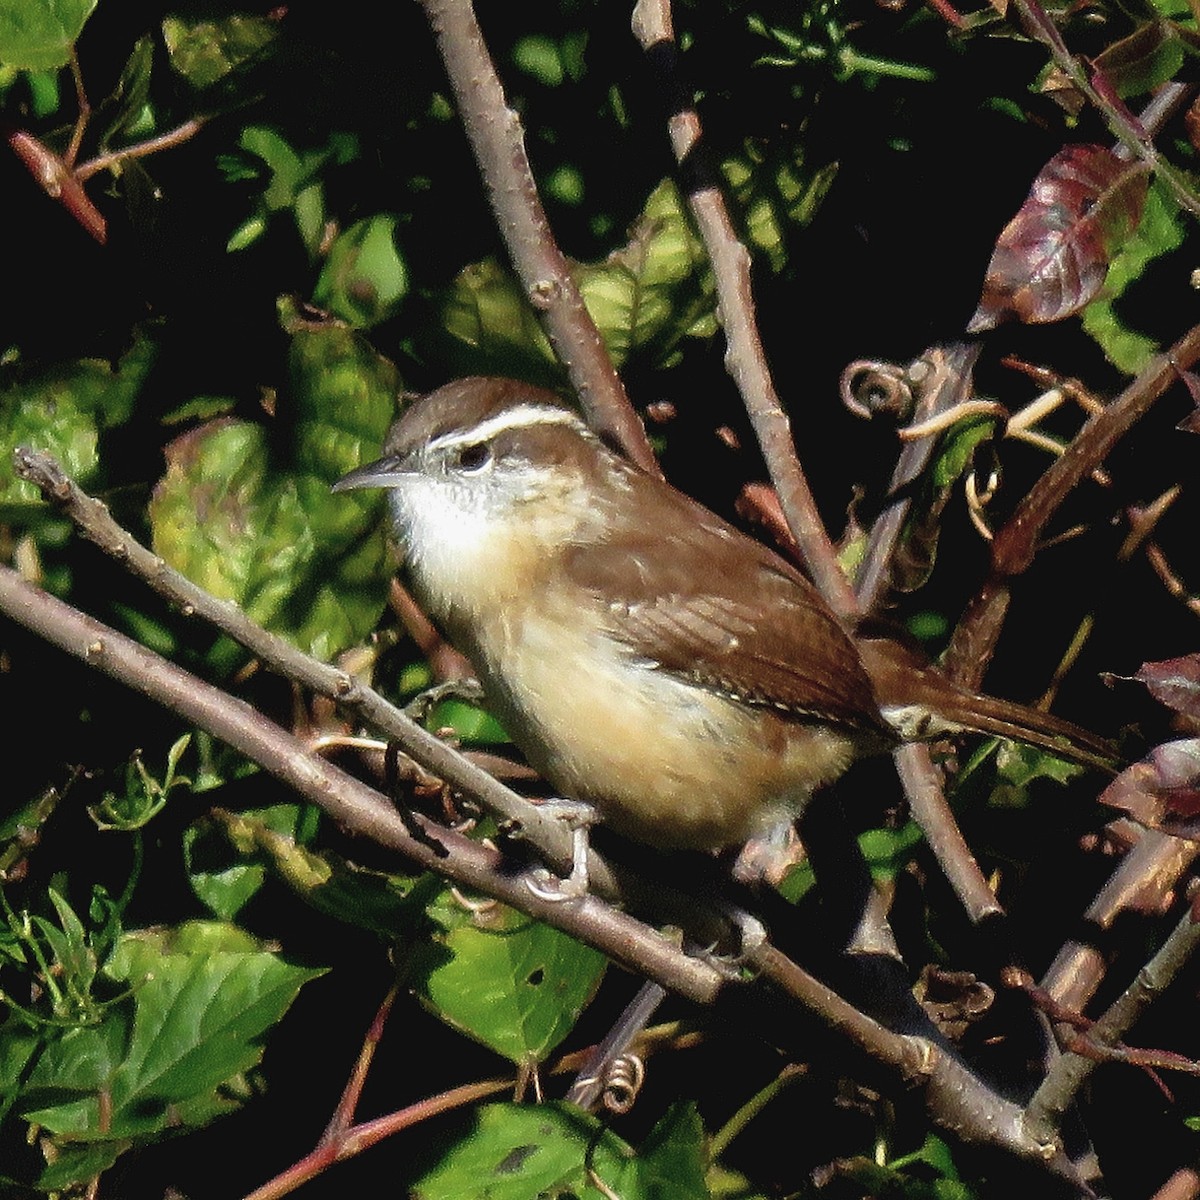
(205, 51)
(343, 398)
(223, 884)
(263, 529)
(292, 181)
(886, 851)
(129, 111)
(470, 723)
(364, 279)
(266, 839)
(1159, 232)
(62, 411)
(1149, 56)
(78, 1164)
(488, 315)
(774, 195)
(933, 1153)
(1018, 765)
(38, 35)
(645, 298)
(656, 289)
(515, 1152)
(202, 997)
(506, 980)
(538, 55)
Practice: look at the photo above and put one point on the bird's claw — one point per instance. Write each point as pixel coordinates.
(544, 884)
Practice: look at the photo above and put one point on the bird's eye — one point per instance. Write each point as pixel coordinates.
(474, 457)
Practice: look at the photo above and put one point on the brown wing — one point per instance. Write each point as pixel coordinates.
(703, 601)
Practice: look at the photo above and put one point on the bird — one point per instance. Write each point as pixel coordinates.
(649, 659)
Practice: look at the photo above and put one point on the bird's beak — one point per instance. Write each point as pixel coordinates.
(386, 472)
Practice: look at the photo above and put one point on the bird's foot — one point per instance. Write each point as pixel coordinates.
(751, 936)
(420, 706)
(579, 818)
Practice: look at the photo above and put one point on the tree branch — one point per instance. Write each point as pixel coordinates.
(93, 520)
(1016, 543)
(347, 800)
(1142, 881)
(745, 358)
(498, 143)
(1069, 1073)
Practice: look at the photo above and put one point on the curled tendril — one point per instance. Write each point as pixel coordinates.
(869, 389)
(623, 1079)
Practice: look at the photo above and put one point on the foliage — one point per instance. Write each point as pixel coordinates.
(267, 231)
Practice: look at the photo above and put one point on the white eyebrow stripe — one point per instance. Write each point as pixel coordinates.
(523, 416)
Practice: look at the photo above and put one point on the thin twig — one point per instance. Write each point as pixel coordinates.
(1175, 586)
(1143, 879)
(1069, 1073)
(84, 115)
(1017, 541)
(361, 1137)
(1128, 130)
(497, 140)
(164, 141)
(343, 1115)
(745, 358)
(930, 809)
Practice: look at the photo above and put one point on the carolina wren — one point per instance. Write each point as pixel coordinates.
(647, 657)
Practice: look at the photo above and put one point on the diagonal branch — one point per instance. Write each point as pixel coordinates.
(745, 358)
(498, 143)
(1016, 543)
(92, 518)
(1072, 1070)
(347, 800)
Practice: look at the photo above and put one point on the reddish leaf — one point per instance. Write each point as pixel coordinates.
(1150, 55)
(1174, 682)
(1165, 784)
(1052, 257)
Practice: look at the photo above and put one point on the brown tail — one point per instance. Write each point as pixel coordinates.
(922, 702)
